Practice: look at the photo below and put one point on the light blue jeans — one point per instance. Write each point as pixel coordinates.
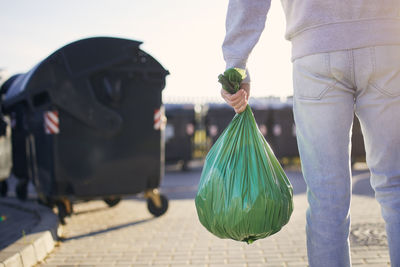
(328, 89)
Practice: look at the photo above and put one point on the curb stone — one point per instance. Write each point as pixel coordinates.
(34, 246)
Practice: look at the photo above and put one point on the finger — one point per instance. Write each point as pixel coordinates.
(233, 100)
(241, 109)
(238, 97)
(241, 105)
(247, 95)
(234, 96)
(241, 100)
(225, 95)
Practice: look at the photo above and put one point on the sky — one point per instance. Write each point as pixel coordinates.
(184, 36)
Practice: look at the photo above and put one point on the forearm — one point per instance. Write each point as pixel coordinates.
(245, 22)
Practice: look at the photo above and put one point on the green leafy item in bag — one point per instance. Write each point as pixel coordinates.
(243, 192)
(231, 79)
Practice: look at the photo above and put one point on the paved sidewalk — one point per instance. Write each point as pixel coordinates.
(15, 221)
(27, 232)
(127, 235)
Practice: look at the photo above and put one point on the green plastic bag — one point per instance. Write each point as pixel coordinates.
(243, 192)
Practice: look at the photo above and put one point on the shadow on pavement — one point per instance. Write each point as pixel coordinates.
(91, 210)
(106, 230)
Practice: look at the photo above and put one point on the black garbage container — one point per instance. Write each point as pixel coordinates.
(179, 133)
(283, 139)
(95, 121)
(217, 119)
(264, 119)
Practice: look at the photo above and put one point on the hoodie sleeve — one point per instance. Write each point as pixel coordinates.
(245, 21)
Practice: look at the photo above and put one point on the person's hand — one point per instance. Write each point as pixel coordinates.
(237, 101)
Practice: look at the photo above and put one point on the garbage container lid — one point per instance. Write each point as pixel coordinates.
(18, 84)
(78, 60)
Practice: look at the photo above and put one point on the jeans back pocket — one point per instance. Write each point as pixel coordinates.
(312, 76)
(386, 73)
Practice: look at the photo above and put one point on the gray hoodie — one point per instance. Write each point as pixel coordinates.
(312, 26)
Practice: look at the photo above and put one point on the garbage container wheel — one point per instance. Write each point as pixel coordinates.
(62, 212)
(160, 209)
(185, 166)
(112, 201)
(3, 188)
(64, 207)
(21, 190)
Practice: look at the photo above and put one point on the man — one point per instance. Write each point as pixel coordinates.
(346, 59)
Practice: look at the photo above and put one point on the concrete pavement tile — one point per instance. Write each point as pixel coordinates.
(357, 249)
(250, 254)
(90, 262)
(199, 261)
(217, 257)
(148, 262)
(218, 261)
(40, 247)
(273, 259)
(303, 264)
(125, 258)
(180, 256)
(237, 257)
(258, 258)
(180, 262)
(162, 259)
(378, 260)
(383, 254)
(159, 264)
(164, 252)
(55, 262)
(240, 261)
(26, 251)
(292, 256)
(366, 255)
(108, 260)
(10, 259)
(376, 248)
(357, 261)
(123, 262)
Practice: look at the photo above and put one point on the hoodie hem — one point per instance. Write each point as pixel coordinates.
(345, 35)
